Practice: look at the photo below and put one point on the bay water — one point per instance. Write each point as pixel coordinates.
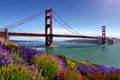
(108, 55)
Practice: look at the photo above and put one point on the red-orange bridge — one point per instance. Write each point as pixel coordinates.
(48, 30)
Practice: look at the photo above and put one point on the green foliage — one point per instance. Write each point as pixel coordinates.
(11, 46)
(71, 63)
(47, 64)
(18, 58)
(17, 72)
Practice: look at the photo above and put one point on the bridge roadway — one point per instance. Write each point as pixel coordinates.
(53, 35)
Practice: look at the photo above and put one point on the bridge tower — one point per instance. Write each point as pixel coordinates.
(48, 28)
(103, 35)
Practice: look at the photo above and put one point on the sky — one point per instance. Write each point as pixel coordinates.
(85, 16)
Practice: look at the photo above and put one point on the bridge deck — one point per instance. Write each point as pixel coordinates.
(54, 35)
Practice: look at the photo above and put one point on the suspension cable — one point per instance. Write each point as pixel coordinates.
(65, 23)
(25, 20)
(97, 31)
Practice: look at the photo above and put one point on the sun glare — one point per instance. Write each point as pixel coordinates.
(112, 1)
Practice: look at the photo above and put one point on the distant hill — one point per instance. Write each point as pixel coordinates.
(82, 41)
(116, 40)
(108, 41)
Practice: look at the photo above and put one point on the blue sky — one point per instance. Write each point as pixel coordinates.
(86, 16)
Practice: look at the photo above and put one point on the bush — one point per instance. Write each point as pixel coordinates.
(22, 53)
(18, 72)
(47, 64)
(5, 57)
(99, 73)
(17, 58)
(68, 74)
(70, 63)
(11, 46)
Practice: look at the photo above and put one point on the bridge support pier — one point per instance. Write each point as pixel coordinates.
(48, 28)
(6, 34)
(103, 35)
(113, 40)
(0, 33)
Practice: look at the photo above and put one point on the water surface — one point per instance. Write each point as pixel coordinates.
(108, 55)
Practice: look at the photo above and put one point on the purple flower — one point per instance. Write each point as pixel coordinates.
(41, 78)
(92, 69)
(33, 68)
(62, 62)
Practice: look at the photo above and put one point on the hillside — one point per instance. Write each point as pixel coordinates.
(7, 42)
(108, 41)
(82, 41)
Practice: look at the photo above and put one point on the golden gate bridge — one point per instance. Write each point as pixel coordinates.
(4, 31)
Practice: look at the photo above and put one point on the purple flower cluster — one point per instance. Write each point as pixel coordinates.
(62, 62)
(4, 60)
(21, 56)
(4, 56)
(2, 47)
(22, 51)
(93, 69)
(25, 53)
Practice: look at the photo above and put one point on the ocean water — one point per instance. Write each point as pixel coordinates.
(108, 55)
